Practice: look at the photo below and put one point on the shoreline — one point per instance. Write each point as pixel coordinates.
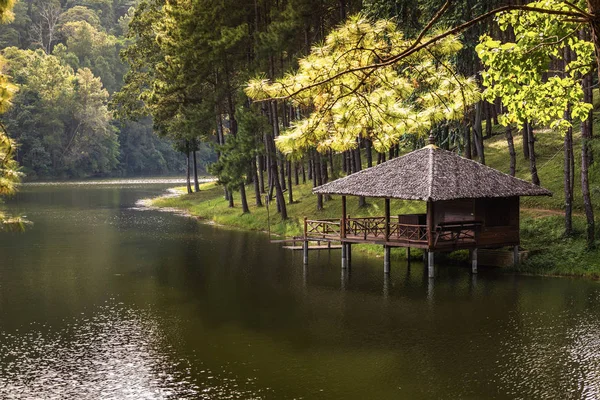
(560, 257)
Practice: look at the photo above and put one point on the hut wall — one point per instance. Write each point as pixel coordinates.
(499, 216)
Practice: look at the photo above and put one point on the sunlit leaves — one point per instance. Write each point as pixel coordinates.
(519, 72)
(381, 104)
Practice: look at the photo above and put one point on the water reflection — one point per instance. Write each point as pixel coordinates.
(115, 353)
(102, 300)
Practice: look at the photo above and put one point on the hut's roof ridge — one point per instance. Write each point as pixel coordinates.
(433, 174)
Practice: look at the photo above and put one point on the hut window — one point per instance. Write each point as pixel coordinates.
(498, 212)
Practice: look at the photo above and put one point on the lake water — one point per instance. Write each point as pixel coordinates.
(102, 299)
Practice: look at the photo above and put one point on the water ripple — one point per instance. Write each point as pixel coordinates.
(115, 354)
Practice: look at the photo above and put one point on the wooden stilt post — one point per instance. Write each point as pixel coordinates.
(516, 256)
(387, 220)
(408, 253)
(343, 234)
(305, 252)
(474, 261)
(305, 243)
(349, 254)
(386, 259)
(430, 265)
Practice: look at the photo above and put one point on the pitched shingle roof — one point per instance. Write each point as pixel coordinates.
(431, 174)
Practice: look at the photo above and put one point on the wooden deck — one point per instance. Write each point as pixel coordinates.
(375, 230)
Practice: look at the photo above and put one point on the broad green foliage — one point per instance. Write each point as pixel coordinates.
(382, 104)
(520, 74)
(82, 35)
(80, 13)
(60, 117)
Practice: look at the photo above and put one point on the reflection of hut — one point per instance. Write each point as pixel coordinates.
(469, 206)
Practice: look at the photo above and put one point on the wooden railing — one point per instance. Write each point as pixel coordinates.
(408, 233)
(455, 233)
(373, 229)
(322, 228)
(367, 229)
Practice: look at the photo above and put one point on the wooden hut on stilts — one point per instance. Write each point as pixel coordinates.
(469, 206)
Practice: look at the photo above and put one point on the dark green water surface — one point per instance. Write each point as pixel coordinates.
(103, 299)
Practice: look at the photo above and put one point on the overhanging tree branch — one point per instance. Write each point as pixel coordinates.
(417, 46)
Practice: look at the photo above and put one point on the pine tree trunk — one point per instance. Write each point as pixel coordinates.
(196, 183)
(467, 145)
(525, 135)
(331, 165)
(369, 152)
(296, 176)
(568, 152)
(362, 202)
(488, 120)
(478, 132)
(585, 183)
(535, 179)
(255, 179)
(511, 151)
(281, 165)
(188, 168)
(303, 172)
(289, 182)
(274, 171)
(261, 175)
(245, 208)
(317, 178)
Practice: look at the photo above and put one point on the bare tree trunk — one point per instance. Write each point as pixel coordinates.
(586, 135)
(289, 182)
(317, 178)
(511, 151)
(196, 183)
(568, 185)
(303, 172)
(188, 167)
(273, 159)
(261, 175)
(467, 145)
(535, 179)
(478, 132)
(331, 165)
(488, 120)
(525, 134)
(369, 152)
(245, 208)
(362, 202)
(231, 205)
(255, 179)
(296, 176)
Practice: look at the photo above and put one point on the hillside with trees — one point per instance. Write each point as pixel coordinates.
(63, 57)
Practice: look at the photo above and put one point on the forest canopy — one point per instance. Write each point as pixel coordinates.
(63, 56)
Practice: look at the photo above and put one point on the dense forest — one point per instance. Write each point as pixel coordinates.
(311, 89)
(64, 59)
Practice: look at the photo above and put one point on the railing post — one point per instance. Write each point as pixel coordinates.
(387, 220)
(305, 228)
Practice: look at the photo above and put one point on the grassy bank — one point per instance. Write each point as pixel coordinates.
(541, 219)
